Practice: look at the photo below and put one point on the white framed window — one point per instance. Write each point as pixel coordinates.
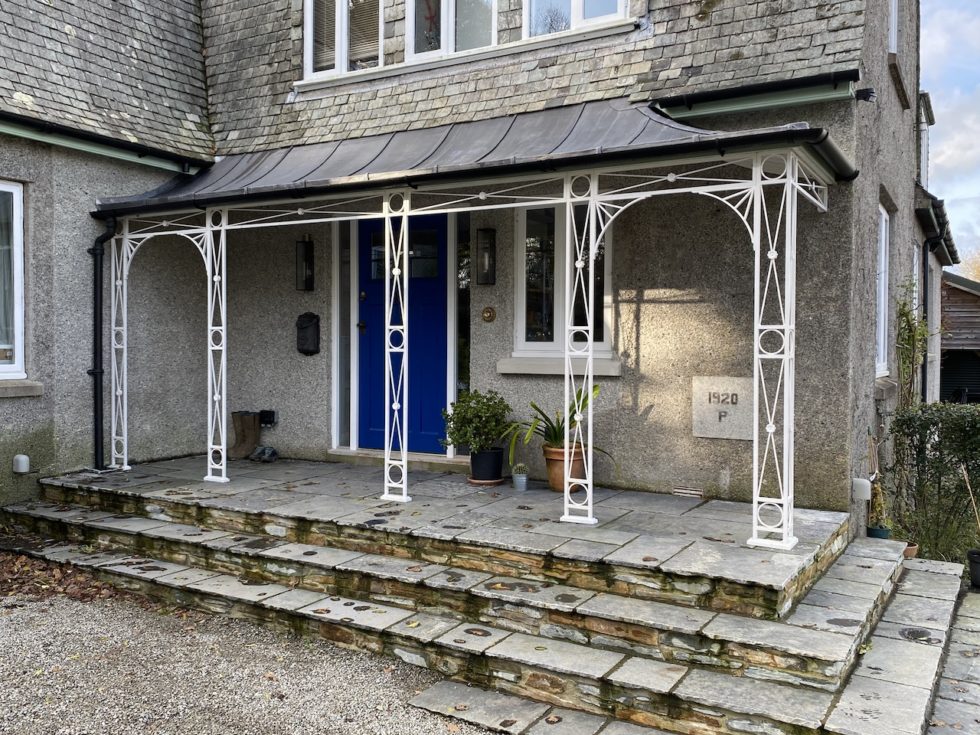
(916, 274)
(541, 275)
(893, 12)
(341, 36)
(543, 17)
(11, 281)
(881, 331)
(437, 28)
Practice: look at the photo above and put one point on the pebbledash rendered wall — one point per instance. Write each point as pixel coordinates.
(53, 422)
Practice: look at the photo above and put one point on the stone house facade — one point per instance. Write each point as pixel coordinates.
(285, 78)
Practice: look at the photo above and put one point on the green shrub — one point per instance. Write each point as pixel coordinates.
(478, 420)
(932, 505)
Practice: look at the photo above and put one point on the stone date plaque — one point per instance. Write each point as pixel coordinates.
(722, 407)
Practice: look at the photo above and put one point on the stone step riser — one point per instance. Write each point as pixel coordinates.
(648, 584)
(598, 632)
(601, 697)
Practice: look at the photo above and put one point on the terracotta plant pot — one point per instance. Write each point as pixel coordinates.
(554, 458)
(911, 550)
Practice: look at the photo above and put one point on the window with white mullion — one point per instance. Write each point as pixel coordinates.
(893, 18)
(437, 28)
(11, 281)
(543, 17)
(542, 274)
(881, 333)
(341, 36)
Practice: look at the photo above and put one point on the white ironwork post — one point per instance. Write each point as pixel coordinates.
(396, 210)
(774, 242)
(581, 247)
(122, 252)
(214, 259)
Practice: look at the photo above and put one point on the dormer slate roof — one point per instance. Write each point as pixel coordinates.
(130, 71)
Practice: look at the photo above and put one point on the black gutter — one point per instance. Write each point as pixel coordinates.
(747, 90)
(139, 149)
(816, 139)
(97, 251)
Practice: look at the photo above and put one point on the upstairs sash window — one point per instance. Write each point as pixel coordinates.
(343, 35)
(543, 17)
(440, 27)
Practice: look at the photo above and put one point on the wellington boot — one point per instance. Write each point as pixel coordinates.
(250, 436)
(236, 420)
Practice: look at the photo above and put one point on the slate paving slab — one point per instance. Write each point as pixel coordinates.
(793, 639)
(493, 710)
(935, 567)
(321, 556)
(656, 503)
(660, 615)
(319, 508)
(472, 637)
(874, 707)
(827, 619)
(959, 691)
(186, 577)
(848, 588)
(454, 578)
(390, 567)
(919, 611)
(618, 727)
(900, 662)
(254, 500)
(521, 541)
(581, 550)
(558, 721)
(792, 705)
(567, 658)
(963, 663)
(922, 636)
(293, 599)
(127, 524)
(954, 718)
(536, 594)
(184, 532)
(927, 584)
(648, 552)
(225, 585)
(232, 487)
(73, 514)
(862, 569)
(423, 627)
(355, 612)
(877, 549)
(143, 568)
(647, 674)
(736, 563)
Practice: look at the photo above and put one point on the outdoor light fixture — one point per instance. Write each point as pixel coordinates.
(867, 94)
(304, 264)
(486, 257)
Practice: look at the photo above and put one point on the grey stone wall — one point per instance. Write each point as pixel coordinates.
(254, 55)
(60, 186)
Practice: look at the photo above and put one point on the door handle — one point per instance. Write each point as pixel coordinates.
(362, 326)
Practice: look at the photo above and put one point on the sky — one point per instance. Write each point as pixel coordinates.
(951, 74)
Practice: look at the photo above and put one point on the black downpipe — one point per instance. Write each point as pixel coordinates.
(97, 251)
(925, 315)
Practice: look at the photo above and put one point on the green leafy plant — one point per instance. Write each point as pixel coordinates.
(477, 420)
(520, 469)
(934, 444)
(551, 429)
(911, 344)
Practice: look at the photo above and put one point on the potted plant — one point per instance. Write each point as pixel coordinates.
(519, 474)
(878, 523)
(478, 421)
(911, 550)
(551, 429)
(973, 555)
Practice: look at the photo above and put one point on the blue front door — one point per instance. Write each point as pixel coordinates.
(427, 325)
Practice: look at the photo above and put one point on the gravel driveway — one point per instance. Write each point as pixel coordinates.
(121, 666)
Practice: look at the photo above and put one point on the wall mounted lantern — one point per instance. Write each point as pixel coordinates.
(304, 264)
(486, 257)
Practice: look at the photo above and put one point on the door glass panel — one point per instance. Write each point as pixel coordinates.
(343, 332)
(539, 268)
(549, 16)
(462, 302)
(364, 32)
(6, 278)
(428, 25)
(474, 24)
(599, 8)
(423, 254)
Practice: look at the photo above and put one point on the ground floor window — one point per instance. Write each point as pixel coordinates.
(11, 281)
(542, 276)
(881, 335)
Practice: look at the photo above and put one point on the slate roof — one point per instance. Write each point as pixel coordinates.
(130, 71)
(548, 139)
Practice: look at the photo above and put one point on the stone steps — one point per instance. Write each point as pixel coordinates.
(817, 650)
(663, 548)
(672, 697)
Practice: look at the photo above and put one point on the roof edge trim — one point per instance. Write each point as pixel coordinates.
(746, 90)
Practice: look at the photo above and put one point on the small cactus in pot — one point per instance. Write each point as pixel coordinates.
(519, 473)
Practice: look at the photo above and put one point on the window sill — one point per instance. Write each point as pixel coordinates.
(328, 79)
(20, 389)
(885, 388)
(602, 366)
(896, 73)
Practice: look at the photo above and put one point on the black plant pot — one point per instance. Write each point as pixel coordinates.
(488, 465)
(879, 532)
(973, 557)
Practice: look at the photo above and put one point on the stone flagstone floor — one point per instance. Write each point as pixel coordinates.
(957, 708)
